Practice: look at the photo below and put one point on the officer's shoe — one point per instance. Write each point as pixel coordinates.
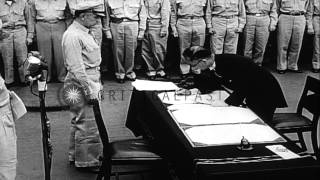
(152, 78)
(281, 71)
(131, 76)
(161, 74)
(315, 70)
(121, 81)
(295, 70)
(10, 85)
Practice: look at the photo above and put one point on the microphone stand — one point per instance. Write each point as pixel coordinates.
(45, 126)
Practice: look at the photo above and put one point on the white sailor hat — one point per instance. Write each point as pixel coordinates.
(96, 6)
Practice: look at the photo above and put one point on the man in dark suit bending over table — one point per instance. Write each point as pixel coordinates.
(250, 84)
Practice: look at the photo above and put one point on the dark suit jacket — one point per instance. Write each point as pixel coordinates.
(249, 82)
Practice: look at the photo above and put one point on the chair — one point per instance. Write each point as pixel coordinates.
(299, 123)
(124, 152)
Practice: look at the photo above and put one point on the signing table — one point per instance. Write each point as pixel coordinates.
(202, 141)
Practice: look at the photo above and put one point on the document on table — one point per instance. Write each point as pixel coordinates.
(232, 134)
(201, 114)
(195, 97)
(282, 151)
(145, 85)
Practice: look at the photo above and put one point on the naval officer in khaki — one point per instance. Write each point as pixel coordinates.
(17, 32)
(262, 18)
(125, 25)
(291, 26)
(82, 57)
(50, 17)
(225, 20)
(154, 43)
(188, 24)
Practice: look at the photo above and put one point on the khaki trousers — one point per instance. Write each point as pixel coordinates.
(8, 144)
(154, 47)
(256, 35)
(191, 33)
(49, 38)
(290, 36)
(124, 36)
(14, 44)
(316, 43)
(225, 39)
(85, 146)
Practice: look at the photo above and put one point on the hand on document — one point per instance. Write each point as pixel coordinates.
(187, 92)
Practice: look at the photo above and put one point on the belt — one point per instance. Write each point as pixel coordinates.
(293, 13)
(93, 68)
(257, 14)
(190, 17)
(53, 21)
(120, 20)
(226, 17)
(11, 27)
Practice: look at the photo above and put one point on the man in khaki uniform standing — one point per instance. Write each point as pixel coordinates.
(125, 25)
(225, 20)
(188, 24)
(50, 17)
(291, 26)
(82, 57)
(154, 44)
(262, 18)
(313, 24)
(17, 32)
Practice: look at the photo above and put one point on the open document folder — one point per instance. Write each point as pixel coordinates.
(202, 114)
(145, 85)
(232, 134)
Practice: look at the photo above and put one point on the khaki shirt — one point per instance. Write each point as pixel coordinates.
(134, 10)
(159, 9)
(49, 10)
(268, 7)
(226, 8)
(187, 8)
(80, 51)
(292, 6)
(16, 14)
(313, 9)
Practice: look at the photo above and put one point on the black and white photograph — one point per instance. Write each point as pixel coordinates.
(159, 89)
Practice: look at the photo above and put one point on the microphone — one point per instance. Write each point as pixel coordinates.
(34, 66)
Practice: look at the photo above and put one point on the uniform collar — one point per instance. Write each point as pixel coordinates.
(81, 27)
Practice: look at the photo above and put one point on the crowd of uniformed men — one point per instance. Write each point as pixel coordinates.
(126, 22)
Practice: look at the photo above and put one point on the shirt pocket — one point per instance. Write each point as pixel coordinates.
(219, 3)
(3, 10)
(133, 9)
(59, 5)
(155, 6)
(266, 4)
(234, 3)
(19, 10)
(302, 4)
(116, 9)
(41, 6)
(199, 5)
(286, 4)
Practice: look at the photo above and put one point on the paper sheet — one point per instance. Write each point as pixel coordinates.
(232, 134)
(145, 85)
(215, 98)
(201, 114)
(282, 151)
